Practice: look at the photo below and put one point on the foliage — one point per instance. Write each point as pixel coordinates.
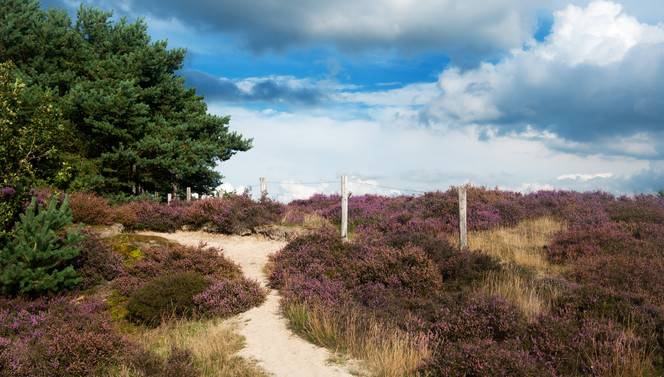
(88, 208)
(96, 262)
(231, 214)
(58, 337)
(63, 337)
(37, 260)
(160, 261)
(164, 297)
(604, 316)
(125, 121)
(30, 131)
(11, 206)
(228, 297)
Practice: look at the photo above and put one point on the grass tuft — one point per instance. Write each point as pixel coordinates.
(213, 345)
(522, 251)
(386, 353)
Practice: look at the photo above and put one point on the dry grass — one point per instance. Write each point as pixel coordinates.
(521, 249)
(519, 291)
(522, 245)
(314, 221)
(386, 353)
(630, 359)
(310, 220)
(213, 345)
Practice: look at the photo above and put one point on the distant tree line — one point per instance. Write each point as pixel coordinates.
(94, 104)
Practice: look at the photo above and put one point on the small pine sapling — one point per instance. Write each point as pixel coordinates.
(37, 258)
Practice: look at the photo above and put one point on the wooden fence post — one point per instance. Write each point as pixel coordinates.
(263, 188)
(463, 232)
(344, 208)
(188, 194)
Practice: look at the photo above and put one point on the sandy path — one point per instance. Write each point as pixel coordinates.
(268, 340)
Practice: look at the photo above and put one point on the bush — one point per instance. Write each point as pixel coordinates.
(166, 296)
(631, 311)
(58, 337)
(228, 297)
(586, 242)
(88, 208)
(96, 262)
(623, 272)
(576, 347)
(483, 357)
(481, 317)
(174, 259)
(38, 259)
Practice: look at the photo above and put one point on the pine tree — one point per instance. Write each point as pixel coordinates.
(37, 259)
(128, 119)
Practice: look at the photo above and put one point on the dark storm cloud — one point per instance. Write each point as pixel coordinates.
(464, 29)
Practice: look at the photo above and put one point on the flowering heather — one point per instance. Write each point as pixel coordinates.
(160, 261)
(230, 215)
(58, 337)
(96, 262)
(88, 208)
(400, 269)
(7, 192)
(229, 297)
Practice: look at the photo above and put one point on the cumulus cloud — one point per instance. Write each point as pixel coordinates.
(594, 81)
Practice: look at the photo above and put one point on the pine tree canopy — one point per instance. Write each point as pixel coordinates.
(125, 118)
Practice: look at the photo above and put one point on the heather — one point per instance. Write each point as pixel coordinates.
(556, 283)
(128, 281)
(229, 214)
(67, 336)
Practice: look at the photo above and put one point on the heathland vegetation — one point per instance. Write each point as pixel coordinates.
(555, 283)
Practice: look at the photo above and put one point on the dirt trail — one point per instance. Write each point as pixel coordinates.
(268, 340)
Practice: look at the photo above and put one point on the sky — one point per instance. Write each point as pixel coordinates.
(408, 96)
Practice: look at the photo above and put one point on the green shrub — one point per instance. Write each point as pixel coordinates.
(166, 296)
(38, 257)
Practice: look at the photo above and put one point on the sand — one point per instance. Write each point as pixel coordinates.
(268, 340)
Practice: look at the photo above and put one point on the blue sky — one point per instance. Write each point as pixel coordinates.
(425, 94)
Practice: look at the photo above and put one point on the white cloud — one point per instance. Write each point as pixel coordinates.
(291, 190)
(417, 94)
(600, 34)
(584, 177)
(531, 187)
(590, 82)
(306, 152)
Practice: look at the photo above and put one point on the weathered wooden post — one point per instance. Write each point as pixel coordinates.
(188, 194)
(344, 208)
(263, 188)
(463, 232)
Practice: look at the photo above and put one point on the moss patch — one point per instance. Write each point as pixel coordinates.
(130, 245)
